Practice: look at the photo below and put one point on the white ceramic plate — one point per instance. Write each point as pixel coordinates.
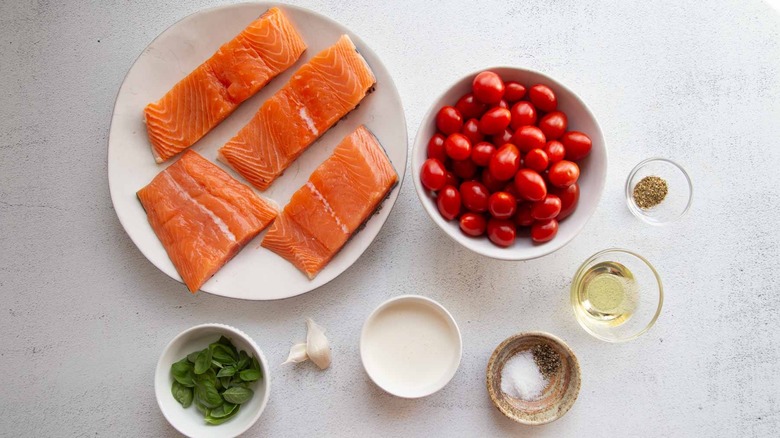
(255, 273)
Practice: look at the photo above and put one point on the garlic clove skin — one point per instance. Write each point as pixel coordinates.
(317, 345)
(297, 354)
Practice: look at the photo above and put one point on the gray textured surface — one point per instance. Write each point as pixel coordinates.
(84, 316)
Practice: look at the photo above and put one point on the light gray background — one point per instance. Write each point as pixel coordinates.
(84, 316)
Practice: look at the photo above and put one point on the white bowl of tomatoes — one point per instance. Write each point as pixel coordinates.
(510, 163)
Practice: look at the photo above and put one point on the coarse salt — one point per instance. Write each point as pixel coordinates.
(521, 377)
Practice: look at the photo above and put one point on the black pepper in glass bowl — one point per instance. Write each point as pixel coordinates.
(659, 191)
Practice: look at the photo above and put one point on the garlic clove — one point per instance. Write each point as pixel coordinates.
(297, 354)
(317, 345)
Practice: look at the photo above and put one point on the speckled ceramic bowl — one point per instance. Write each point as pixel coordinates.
(558, 397)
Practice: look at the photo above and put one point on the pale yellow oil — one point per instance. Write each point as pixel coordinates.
(607, 293)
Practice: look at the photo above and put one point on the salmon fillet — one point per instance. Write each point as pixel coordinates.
(339, 197)
(202, 216)
(320, 93)
(238, 70)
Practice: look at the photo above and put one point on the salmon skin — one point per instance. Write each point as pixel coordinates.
(238, 70)
(202, 216)
(320, 93)
(339, 197)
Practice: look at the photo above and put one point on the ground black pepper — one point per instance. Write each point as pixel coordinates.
(547, 359)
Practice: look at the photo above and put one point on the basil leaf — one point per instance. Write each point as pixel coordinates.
(238, 395)
(203, 409)
(192, 356)
(225, 382)
(256, 366)
(203, 362)
(223, 411)
(182, 372)
(215, 363)
(237, 383)
(213, 420)
(208, 378)
(223, 353)
(226, 371)
(209, 396)
(224, 341)
(182, 394)
(250, 375)
(243, 360)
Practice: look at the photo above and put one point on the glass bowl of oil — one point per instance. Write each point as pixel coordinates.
(617, 295)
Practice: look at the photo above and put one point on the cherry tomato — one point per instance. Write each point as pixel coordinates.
(457, 146)
(470, 107)
(436, 148)
(547, 208)
(475, 196)
(563, 173)
(529, 137)
(473, 224)
(433, 175)
(569, 197)
(449, 120)
(502, 137)
(448, 201)
(492, 184)
(530, 185)
(510, 188)
(502, 205)
(452, 180)
(488, 87)
(523, 216)
(544, 231)
(523, 113)
(514, 91)
(465, 169)
(543, 98)
(471, 131)
(482, 152)
(504, 164)
(554, 125)
(555, 151)
(494, 121)
(501, 232)
(502, 104)
(577, 145)
(537, 160)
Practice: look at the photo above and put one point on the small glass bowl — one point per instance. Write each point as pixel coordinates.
(678, 199)
(646, 300)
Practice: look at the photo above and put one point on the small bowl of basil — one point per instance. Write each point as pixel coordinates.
(212, 381)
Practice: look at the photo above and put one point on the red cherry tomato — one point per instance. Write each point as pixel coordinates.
(475, 196)
(523, 216)
(502, 104)
(488, 87)
(543, 98)
(473, 224)
(501, 232)
(492, 184)
(502, 205)
(547, 208)
(569, 197)
(504, 164)
(470, 107)
(544, 231)
(577, 145)
(510, 188)
(514, 91)
(555, 151)
(530, 185)
(452, 180)
(436, 148)
(471, 131)
(494, 121)
(482, 152)
(449, 120)
(537, 160)
(433, 175)
(554, 125)
(529, 137)
(457, 146)
(465, 169)
(563, 173)
(448, 201)
(502, 137)
(523, 113)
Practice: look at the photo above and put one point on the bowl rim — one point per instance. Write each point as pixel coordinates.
(421, 191)
(412, 298)
(636, 211)
(162, 371)
(578, 276)
(493, 362)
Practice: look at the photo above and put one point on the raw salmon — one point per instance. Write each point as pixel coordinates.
(238, 70)
(319, 94)
(202, 216)
(340, 195)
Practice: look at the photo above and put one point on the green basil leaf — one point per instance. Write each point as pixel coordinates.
(182, 394)
(192, 356)
(225, 382)
(226, 371)
(182, 372)
(250, 375)
(237, 383)
(237, 395)
(214, 420)
(256, 366)
(223, 411)
(208, 378)
(215, 363)
(243, 360)
(209, 396)
(224, 341)
(203, 362)
(223, 353)
(199, 404)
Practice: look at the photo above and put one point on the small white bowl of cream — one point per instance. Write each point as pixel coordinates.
(410, 346)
